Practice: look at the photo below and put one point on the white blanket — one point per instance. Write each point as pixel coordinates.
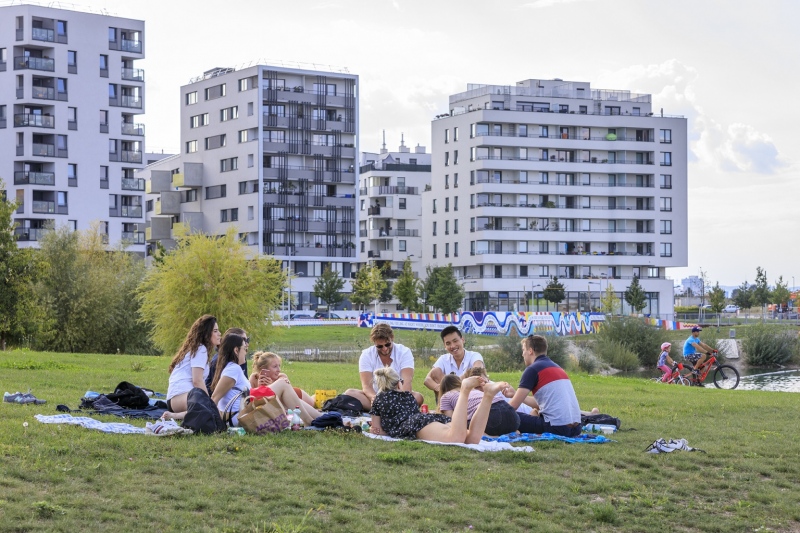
(91, 423)
(484, 446)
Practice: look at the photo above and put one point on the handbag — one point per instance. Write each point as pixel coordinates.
(263, 415)
(229, 413)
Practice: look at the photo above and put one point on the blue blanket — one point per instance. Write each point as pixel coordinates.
(588, 438)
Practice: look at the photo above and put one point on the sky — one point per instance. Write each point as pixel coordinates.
(728, 66)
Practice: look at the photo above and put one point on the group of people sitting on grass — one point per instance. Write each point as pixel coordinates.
(469, 405)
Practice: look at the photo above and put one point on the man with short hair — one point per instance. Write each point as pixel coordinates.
(559, 412)
(695, 351)
(384, 352)
(456, 361)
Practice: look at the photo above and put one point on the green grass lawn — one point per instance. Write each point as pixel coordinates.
(63, 478)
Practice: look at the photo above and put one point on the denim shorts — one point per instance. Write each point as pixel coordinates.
(503, 419)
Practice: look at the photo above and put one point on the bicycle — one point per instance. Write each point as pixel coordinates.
(675, 378)
(725, 376)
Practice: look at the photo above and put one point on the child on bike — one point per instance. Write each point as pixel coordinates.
(665, 362)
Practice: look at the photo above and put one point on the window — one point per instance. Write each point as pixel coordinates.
(447, 227)
(72, 118)
(217, 91)
(522, 130)
(582, 109)
(250, 212)
(652, 272)
(447, 249)
(273, 136)
(248, 187)
(455, 249)
(217, 141)
(455, 203)
(402, 203)
(226, 165)
(278, 110)
(455, 180)
(447, 159)
(455, 134)
(72, 171)
(455, 157)
(235, 214)
(434, 251)
(223, 215)
(666, 181)
(543, 177)
(434, 205)
(61, 199)
(455, 227)
(666, 227)
(363, 247)
(61, 88)
(249, 109)
(61, 28)
(666, 249)
(666, 136)
(191, 98)
(362, 204)
(72, 59)
(666, 159)
(666, 204)
(447, 205)
(112, 35)
(191, 147)
(544, 271)
(446, 136)
(198, 120)
(189, 196)
(277, 83)
(215, 191)
(243, 136)
(328, 89)
(636, 111)
(104, 63)
(250, 160)
(401, 246)
(229, 113)
(434, 228)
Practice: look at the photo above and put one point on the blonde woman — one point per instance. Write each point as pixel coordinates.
(395, 412)
(267, 370)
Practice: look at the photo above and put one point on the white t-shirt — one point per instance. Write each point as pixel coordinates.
(235, 372)
(370, 361)
(447, 362)
(180, 381)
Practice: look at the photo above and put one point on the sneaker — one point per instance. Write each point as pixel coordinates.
(21, 398)
(162, 428)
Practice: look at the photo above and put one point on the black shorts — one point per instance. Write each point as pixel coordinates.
(537, 424)
(503, 419)
(169, 406)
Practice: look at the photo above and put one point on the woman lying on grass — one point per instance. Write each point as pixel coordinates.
(189, 367)
(395, 412)
(267, 366)
(503, 419)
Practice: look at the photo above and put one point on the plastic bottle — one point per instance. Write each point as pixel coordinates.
(364, 425)
(600, 428)
(297, 422)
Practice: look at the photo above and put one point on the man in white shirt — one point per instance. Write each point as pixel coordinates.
(456, 361)
(384, 352)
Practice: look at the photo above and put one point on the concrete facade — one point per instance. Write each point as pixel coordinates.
(557, 179)
(70, 97)
(271, 150)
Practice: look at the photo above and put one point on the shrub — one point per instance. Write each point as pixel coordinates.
(616, 354)
(768, 345)
(557, 349)
(635, 335)
(506, 358)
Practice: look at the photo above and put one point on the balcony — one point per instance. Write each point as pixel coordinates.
(34, 178)
(130, 156)
(32, 119)
(387, 234)
(160, 181)
(40, 206)
(30, 234)
(43, 34)
(384, 191)
(43, 150)
(374, 211)
(129, 128)
(130, 211)
(127, 45)
(133, 74)
(160, 229)
(134, 102)
(168, 204)
(133, 237)
(133, 184)
(34, 63)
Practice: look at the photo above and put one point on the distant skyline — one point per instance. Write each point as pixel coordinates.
(729, 67)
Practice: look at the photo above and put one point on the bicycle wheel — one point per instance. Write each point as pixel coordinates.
(726, 377)
(682, 380)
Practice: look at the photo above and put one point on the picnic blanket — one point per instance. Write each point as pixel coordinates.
(588, 438)
(91, 423)
(483, 446)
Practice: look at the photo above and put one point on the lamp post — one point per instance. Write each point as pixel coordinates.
(589, 294)
(462, 282)
(528, 304)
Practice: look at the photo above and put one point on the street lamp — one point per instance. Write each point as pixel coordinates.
(589, 294)
(462, 282)
(529, 303)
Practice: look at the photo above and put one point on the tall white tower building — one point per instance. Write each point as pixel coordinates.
(70, 98)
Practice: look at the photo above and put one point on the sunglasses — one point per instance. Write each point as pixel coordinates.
(401, 381)
(246, 339)
(387, 345)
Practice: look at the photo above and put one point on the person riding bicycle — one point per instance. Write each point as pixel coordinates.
(665, 362)
(695, 351)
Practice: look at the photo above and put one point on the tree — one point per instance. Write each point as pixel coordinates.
(386, 293)
(780, 294)
(406, 288)
(443, 290)
(635, 295)
(210, 274)
(716, 297)
(368, 286)
(760, 290)
(328, 287)
(609, 301)
(743, 296)
(554, 292)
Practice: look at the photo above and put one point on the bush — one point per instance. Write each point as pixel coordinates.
(769, 345)
(557, 349)
(616, 354)
(508, 357)
(588, 362)
(643, 340)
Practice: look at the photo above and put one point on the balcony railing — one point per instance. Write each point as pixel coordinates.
(553, 159)
(34, 63)
(134, 237)
(130, 46)
(375, 210)
(46, 150)
(568, 136)
(40, 206)
(31, 119)
(129, 128)
(536, 252)
(34, 178)
(562, 183)
(555, 228)
(130, 156)
(133, 74)
(43, 34)
(563, 206)
(43, 93)
(132, 211)
(134, 102)
(133, 184)
(30, 234)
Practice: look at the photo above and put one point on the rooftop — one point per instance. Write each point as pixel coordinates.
(562, 90)
(297, 65)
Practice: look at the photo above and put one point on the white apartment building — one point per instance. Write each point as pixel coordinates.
(390, 207)
(557, 179)
(70, 98)
(272, 151)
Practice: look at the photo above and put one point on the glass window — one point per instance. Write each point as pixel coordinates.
(666, 227)
(666, 181)
(72, 58)
(666, 159)
(191, 98)
(666, 204)
(401, 246)
(666, 136)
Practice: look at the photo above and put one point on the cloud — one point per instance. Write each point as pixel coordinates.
(734, 147)
(539, 4)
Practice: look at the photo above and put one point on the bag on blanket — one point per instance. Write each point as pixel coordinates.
(202, 415)
(600, 419)
(344, 404)
(129, 396)
(263, 415)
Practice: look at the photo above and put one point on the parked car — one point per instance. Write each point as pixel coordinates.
(730, 308)
(326, 315)
(298, 316)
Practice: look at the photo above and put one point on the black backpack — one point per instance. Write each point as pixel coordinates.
(344, 404)
(202, 415)
(600, 419)
(129, 396)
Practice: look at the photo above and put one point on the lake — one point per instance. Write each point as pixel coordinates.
(782, 381)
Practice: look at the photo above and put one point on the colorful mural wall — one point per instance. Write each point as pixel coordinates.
(492, 322)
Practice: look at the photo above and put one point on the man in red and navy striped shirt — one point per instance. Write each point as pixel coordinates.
(559, 412)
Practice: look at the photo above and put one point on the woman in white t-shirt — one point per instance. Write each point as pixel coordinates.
(189, 367)
(229, 378)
